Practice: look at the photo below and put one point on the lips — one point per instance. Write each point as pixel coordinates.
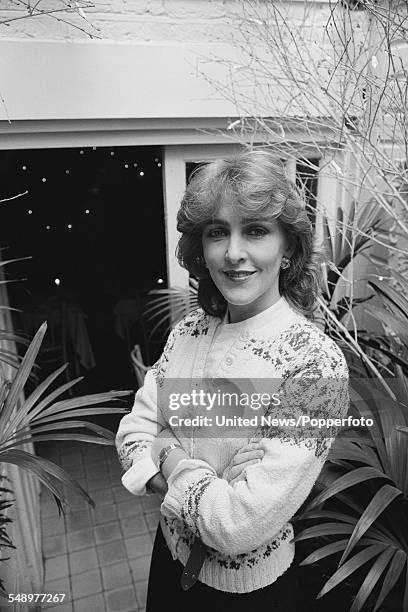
(238, 274)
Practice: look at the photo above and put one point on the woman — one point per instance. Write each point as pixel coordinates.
(228, 501)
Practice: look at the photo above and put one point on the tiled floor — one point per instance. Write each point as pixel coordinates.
(100, 558)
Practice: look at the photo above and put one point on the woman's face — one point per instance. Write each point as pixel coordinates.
(243, 257)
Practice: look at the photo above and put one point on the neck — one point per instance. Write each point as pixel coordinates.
(236, 314)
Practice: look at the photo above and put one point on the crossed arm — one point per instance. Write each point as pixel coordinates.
(249, 454)
(246, 507)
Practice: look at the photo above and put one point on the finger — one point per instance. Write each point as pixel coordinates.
(249, 447)
(237, 470)
(232, 482)
(249, 456)
(245, 457)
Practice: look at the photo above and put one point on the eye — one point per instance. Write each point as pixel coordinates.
(216, 233)
(257, 230)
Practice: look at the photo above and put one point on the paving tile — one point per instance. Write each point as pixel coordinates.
(104, 514)
(133, 525)
(75, 470)
(121, 600)
(77, 520)
(129, 508)
(99, 481)
(86, 583)
(121, 494)
(53, 454)
(48, 508)
(59, 586)
(107, 532)
(139, 546)
(140, 568)
(46, 495)
(72, 464)
(102, 496)
(115, 576)
(78, 540)
(94, 603)
(116, 479)
(93, 453)
(52, 525)
(152, 535)
(78, 503)
(98, 468)
(110, 453)
(54, 545)
(72, 496)
(115, 467)
(71, 451)
(141, 593)
(151, 502)
(152, 520)
(62, 607)
(83, 560)
(111, 552)
(57, 567)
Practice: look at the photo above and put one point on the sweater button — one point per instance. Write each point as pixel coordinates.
(244, 335)
(228, 361)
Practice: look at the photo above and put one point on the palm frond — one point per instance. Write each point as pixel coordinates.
(50, 474)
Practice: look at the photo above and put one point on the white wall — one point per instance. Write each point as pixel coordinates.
(148, 58)
(150, 21)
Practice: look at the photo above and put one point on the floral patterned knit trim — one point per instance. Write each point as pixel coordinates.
(318, 387)
(284, 349)
(249, 559)
(315, 397)
(129, 450)
(195, 324)
(180, 532)
(190, 509)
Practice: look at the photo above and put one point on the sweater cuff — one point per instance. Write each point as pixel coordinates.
(136, 477)
(183, 482)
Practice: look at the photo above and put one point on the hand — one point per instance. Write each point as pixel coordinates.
(157, 485)
(251, 454)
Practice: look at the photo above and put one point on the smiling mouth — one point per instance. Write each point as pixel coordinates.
(237, 275)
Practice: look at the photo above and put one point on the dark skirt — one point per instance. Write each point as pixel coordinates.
(164, 590)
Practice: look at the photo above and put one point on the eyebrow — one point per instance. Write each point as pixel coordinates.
(244, 221)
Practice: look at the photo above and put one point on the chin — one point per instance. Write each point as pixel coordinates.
(239, 300)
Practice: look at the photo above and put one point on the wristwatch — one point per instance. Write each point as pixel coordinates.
(164, 453)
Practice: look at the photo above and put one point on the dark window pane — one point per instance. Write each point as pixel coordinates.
(306, 177)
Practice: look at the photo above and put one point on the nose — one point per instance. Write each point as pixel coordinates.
(235, 251)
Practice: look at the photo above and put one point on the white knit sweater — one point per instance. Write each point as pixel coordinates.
(245, 526)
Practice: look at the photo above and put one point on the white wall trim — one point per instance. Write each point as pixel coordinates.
(63, 133)
(111, 132)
